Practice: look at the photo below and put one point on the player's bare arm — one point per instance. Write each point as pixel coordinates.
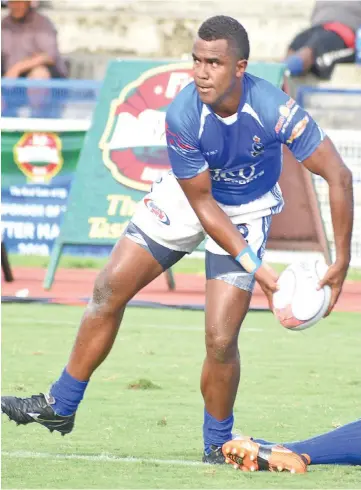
(326, 162)
(218, 226)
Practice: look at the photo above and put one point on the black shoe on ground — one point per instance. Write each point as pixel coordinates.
(36, 409)
(215, 456)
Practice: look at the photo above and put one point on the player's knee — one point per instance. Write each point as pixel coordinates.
(221, 348)
(106, 298)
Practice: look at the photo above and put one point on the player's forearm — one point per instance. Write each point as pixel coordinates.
(341, 203)
(219, 227)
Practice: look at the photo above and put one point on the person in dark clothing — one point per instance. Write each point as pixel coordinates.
(329, 40)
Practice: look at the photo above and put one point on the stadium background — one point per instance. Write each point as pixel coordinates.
(147, 30)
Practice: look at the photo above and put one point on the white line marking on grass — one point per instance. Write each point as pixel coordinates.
(111, 458)
(21, 321)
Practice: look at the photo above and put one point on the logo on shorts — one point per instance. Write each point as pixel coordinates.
(38, 156)
(134, 140)
(158, 213)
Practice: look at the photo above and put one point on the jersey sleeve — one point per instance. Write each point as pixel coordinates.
(294, 127)
(184, 154)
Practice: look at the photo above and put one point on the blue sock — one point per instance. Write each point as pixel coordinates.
(68, 392)
(216, 432)
(294, 64)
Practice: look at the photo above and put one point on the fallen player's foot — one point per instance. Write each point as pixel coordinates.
(247, 455)
(36, 409)
(215, 456)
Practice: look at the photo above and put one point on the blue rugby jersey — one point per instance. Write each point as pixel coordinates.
(244, 151)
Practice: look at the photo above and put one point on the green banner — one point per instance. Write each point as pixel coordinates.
(36, 173)
(125, 149)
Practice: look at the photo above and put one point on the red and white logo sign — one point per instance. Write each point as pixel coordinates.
(134, 143)
(38, 155)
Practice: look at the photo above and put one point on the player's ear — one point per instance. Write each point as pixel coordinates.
(241, 68)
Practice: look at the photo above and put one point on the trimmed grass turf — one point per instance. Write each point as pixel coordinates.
(294, 384)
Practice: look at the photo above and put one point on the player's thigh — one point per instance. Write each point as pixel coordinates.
(135, 261)
(229, 285)
(129, 268)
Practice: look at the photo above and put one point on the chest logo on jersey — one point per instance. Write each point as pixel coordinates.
(241, 177)
(257, 147)
(133, 143)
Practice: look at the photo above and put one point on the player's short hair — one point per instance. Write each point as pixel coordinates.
(224, 27)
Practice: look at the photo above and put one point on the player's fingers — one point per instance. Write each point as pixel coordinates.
(270, 300)
(334, 297)
(323, 282)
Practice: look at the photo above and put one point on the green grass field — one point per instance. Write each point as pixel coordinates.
(294, 385)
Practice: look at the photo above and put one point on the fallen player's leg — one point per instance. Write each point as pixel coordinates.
(339, 446)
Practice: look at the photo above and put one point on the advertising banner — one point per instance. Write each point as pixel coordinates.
(37, 170)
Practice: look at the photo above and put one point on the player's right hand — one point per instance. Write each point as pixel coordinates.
(267, 279)
(334, 277)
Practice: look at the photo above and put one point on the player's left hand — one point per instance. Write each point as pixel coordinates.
(334, 277)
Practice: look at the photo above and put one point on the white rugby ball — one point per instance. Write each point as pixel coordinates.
(298, 304)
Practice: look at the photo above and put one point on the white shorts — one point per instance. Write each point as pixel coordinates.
(165, 216)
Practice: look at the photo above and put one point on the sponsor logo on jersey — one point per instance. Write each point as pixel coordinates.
(257, 147)
(241, 177)
(38, 156)
(284, 111)
(134, 141)
(298, 129)
(289, 119)
(158, 213)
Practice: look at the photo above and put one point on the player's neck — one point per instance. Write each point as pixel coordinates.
(229, 104)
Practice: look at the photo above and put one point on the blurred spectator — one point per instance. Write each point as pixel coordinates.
(29, 44)
(329, 40)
